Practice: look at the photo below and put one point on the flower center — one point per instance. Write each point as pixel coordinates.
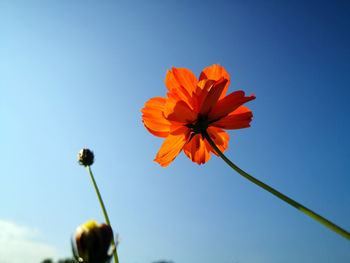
(199, 126)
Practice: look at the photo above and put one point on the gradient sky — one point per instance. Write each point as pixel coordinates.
(75, 74)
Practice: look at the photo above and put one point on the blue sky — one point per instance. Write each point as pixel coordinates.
(75, 74)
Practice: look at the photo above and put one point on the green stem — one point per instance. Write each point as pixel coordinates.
(290, 201)
(115, 255)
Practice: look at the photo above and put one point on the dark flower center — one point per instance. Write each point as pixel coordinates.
(199, 126)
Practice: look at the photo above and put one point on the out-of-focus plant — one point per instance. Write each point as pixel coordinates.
(67, 260)
(93, 243)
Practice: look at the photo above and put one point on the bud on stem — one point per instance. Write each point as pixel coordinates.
(93, 242)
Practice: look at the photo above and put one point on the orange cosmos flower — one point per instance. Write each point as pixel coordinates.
(192, 107)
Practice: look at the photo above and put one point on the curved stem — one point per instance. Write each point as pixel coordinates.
(115, 255)
(281, 196)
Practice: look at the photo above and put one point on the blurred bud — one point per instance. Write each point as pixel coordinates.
(86, 157)
(93, 242)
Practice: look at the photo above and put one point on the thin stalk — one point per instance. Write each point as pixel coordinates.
(281, 196)
(115, 255)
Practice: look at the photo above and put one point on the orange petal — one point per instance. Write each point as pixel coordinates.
(215, 72)
(238, 119)
(177, 110)
(197, 150)
(212, 97)
(183, 82)
(228, 104)
(172, 146)
(201, 93)
(186, 79)
(219, 137)
(158, 134)
(153, 117)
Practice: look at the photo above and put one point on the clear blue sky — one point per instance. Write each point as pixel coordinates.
(75, 74)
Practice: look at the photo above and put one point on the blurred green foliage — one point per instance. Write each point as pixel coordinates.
(69, 260)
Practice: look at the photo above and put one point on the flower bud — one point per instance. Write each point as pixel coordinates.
(93, 242)
(86, 157)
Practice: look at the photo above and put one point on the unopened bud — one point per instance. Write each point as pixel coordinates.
(93, 242)
(86, 157)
